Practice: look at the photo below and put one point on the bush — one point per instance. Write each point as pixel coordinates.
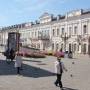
(60, 54)
(38, 55)
(35, 55)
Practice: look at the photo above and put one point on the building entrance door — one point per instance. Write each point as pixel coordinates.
(62, 46)
(74, 48)
(84, 49)
(70, 47)
(88, 49)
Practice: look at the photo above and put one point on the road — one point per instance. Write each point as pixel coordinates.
(37, 74)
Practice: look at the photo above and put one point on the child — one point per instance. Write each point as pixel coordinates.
(18, 62)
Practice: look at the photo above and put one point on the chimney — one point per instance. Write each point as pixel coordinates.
(58, 17)
(37, 22)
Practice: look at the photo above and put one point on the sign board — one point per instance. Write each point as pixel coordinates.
(13, 40)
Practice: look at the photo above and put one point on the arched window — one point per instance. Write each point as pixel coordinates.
(70, 31)
(62, 46)
(70, 47)
(53, 46)
(53, 32)
(57, 32)
(84, 48)
(74, 47)
(57, 47)
(84, 29)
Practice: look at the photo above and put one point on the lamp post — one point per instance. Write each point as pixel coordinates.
(79, 41)
(65, 37)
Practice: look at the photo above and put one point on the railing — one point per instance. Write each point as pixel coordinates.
(44, 37)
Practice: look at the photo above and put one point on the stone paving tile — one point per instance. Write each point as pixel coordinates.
(37, 74)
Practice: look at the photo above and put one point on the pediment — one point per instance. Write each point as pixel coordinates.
(45, 15)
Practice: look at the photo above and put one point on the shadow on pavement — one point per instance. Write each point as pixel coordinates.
(7, 68)
(31, 71)
(32, 60)
(28, 70)
(42, 64)
(66, 88)
(73, 58)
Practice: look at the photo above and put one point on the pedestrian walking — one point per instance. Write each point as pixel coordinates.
(70, 54)
(18, 62)
(59, 68)
(12, 54)
(7, 54)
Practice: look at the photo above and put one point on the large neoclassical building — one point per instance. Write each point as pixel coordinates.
(69, 32)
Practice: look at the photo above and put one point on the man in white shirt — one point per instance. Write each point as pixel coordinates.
(59, 67)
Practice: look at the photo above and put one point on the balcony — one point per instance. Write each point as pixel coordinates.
(44, 37)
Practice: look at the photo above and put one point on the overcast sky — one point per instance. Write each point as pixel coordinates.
(20, 11)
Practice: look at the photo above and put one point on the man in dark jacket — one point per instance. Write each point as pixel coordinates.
(12, 54)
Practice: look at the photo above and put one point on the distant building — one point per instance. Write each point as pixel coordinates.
(71, 32)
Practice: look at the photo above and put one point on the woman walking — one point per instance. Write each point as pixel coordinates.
(18, 62)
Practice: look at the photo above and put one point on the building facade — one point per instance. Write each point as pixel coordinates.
(71, 32)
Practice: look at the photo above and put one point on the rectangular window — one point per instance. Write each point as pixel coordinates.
(47, 33)
(62, 31)
(32, 34)
(57, 32)
(53, 32)
(62, 46)
(75, 30)
(35, 34)
(74, 47)
(57, 47)
(39, 34)
(53, 46)
(78, 47)
(70, 31)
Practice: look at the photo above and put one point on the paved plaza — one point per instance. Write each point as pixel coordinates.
(37, 74)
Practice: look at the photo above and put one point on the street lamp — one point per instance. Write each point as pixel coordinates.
(65, 37)
(79, 39)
